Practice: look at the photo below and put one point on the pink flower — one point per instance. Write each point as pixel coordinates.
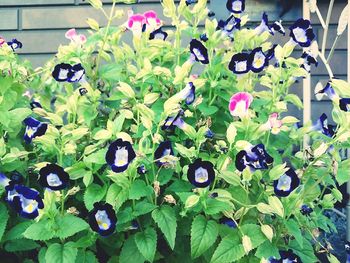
(152, 20)
(74, 37)
(136, 23)
(274, 123)
(239, 104)
(2, 41)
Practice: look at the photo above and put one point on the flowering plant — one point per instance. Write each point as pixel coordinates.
(169, 149)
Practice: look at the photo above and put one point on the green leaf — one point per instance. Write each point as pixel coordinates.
(4, 217)
(17, 231)
(39, 231)
(146, 242)
(215, 206)
(207, 110)
(257, 237)
(203, 235)
(116, 195)
(294, 230)
(166, 221)
(58, 253)
(94, 193)
(130, 251)
(140, 189)
(143, 208)
(96, 157)
(85, 256)
(266, 250)
(292, 98)
(229, 250)
(69, 225)
(343, 174)
(22, 244)
(306, 252)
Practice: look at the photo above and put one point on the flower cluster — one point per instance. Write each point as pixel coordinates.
(137, 149)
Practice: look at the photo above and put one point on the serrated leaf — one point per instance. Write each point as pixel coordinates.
(86, 256)
(69, 225)
(166, 221)
(267, 250)
(39, 231)
(58, 253)
(203, 235)
(4, 217)
(22, 244)
(130, 251)
(94, 193)
(146, 243)
(139, 189)
(17, 231)
(143, 208)
(294, 229)
(229, 250)
(254, 232)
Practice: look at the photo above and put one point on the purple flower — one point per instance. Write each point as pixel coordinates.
(239, 63)
(119, 155)
(309, 59)
(25, 201)
(323, 126)
(235, 6)
(172, 122)
(288, 182)
(102, 219)
(53, 177)
(258, 60)
(199, 51)
(158, 34)
(256, 158)
(164, 149)
(301, 32)
(277, 27)
(264, 25)
(201, 173)
(15, 44)
(34, 128)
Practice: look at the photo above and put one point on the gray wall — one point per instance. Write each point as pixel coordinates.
(41, 24)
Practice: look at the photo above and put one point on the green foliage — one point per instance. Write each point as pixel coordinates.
(166, 220)
(203, 235)
(132, 88)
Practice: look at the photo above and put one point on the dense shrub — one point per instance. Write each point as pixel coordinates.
(178, 147)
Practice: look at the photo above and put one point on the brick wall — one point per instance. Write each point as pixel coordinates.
(41, 24)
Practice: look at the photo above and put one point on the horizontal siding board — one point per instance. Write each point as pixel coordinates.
(4, 3)
(75, 16)
(9, 19)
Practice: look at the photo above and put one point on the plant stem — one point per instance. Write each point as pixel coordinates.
(325, 33)
(105, 38)
(330, 55)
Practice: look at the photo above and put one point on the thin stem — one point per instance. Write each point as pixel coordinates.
(105, 37)
(325, 33)
(324, 60)
(330, 55)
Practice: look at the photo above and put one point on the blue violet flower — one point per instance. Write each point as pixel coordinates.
(54, 177)
(119, 155)
(102, 219)
(199, 51)
(301, 32)
(286, 183)
(201, 173)
(164, 149)
(34, 128)
(235, 6)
